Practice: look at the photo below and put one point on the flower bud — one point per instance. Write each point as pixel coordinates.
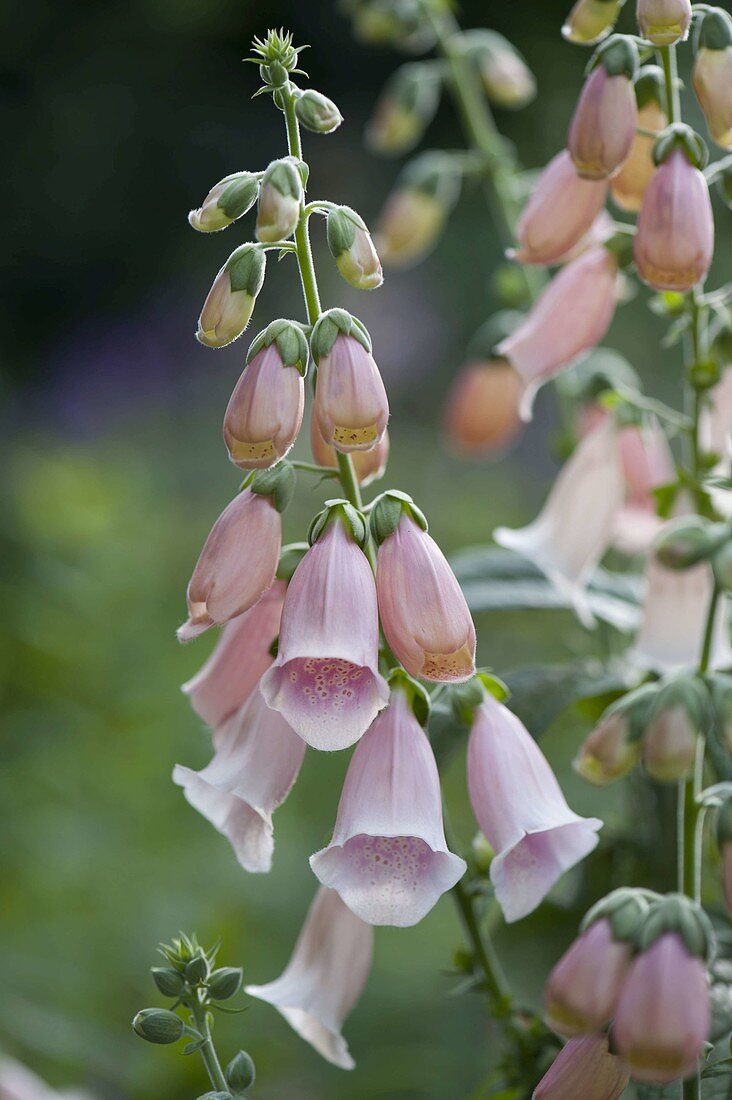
(405, 109)
(368, 465)
(265, 410)
(686, 541)
(317, 113)
(240, 1072)
(584, 1069)
(226, 201)
(230, 302)
(280, 197)
(507, 79)
(415, 213)
(168, 980)
(353, 250)
(610, 752)
(604, 123)
(590, 21)
(712, 75)
(664, 22)
(629, 185)
(225, 983)
(158, 1025)
(350, 407)
(481, 414)
(674, 241)
(677, 719)
(560, 212)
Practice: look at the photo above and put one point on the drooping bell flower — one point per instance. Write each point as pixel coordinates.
(663, 1014)
(255, 765)
(613, 748)
(351, 408)
(664, 22)
(368, 465)
(324, 977)
(238, 562)
(226, 201)
(230, 302)
(724, 843)
(424, 616)
(481, 414)
(678, 717)
(604, 122)
(674, 241)
(570, 317)
(507, 79)
(583, 988)
(240, 658)
(584, 1069)
(388, 858)
(353, 250)
(404, 110)
(521, 811)
(415, 213)
(265, 411)
(712, 75)
(590, 21)
(280, 197)
(629, 185)
(575, 527)
(325, 680)
(561, 210)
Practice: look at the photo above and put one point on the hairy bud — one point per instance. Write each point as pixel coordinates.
(158, 1025)
(353, 250)
(280, 195)
(226, 201)
(230, 302)
(317, 113)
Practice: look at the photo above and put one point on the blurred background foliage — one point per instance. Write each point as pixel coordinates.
(117, 116)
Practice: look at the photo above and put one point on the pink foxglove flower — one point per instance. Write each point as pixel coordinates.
(325, 680)
(583, 988)
(482, 410)
(575, 527)
(604, 123)
(584, 1069)
(559, 213)
(521, 810)
(324, 977)
(388, 858)
(265, 411)
(713, 75)
(664, 22)
(237, 564)
(350, 408)
(256, 762)
(237, 663)
(663, 1015)
(423, 612)
(674, 242)
(570, 317)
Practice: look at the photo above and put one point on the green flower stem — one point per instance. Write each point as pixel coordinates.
(485, 952)
(667, 57)
(207, 1049)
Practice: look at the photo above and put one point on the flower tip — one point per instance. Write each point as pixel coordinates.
(187, 632)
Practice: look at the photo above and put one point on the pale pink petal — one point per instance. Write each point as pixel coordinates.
(583, 988)
(560, 212)
(350, 407)
(603, 125)
(583, 1070)
(265, 411)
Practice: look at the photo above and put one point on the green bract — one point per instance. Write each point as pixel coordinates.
(246, 267)
(340, 511)
(680, 136)
(387, 510)
(330, 325)
(291, 341)
(278, 482)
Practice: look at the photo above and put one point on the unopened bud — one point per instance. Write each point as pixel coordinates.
(415, 213)
(686, 541)
(507, 79)
(353, 250)
(483, 853)
(405, 109)
(317, 113)
(712, 75)
(158, 1025)
(169, 981)
(240, 1072)
(613, 747)
(590, 21)
(197, 970)
(278, 211)
(225, 983)
(678, 718)
(226, 201)
(664, 22)
(230, 302)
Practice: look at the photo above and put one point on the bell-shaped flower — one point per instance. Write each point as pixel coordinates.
(353, 250)
(674, 241)
(590, 21)
(561, 210)
(575, 527)
(424, 616)
(240, 658)
(662, 1018)
(230, 302)
(237, 565)
(388, 858)
(325, 680)
(629, 185)
(664, 22)
(570, 317)
(521, 811)
(265, 410)
(604, 122)
(226, 201)
(324, 977)
(256, 762)
(712, 75)
(481, 414)
(584, 1069)
(280, 197)
(350, 408)
(583, 988)
(369, 466)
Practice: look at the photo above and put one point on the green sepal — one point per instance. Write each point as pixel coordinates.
(290, 558)
(619, 56)
(483, 344)
(624, 909)
(650, 87)
(636, 708)
(417, 695)
(276, 50)
(678, 914)
(197, 970)
(387, 510)
(715, 31)
(169, 981)
(246, 266)
(341, 229)
(225, 983)
(332, 324)
(689, 692)
(465, 698)
(688, 540)
(291, 341)
(285, 177)
(240, 1073)
(680, 136)
(278, 482)
(317, 113)
(239, 195)
(340, 510)
(158, 1025)
(620, 245)
(494, 685)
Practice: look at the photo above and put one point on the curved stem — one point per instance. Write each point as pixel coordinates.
(485, 953)
(207, 1050)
